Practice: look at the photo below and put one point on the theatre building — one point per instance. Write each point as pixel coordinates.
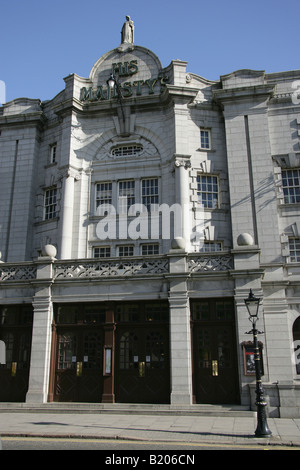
(138, 207)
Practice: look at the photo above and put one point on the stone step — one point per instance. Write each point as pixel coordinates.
(126, 408)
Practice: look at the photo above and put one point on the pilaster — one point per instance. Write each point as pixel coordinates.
(180, 331)
(41, 334)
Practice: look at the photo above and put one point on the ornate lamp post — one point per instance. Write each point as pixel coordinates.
(262, 430)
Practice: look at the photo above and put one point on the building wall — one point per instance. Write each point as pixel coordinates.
(252, 122)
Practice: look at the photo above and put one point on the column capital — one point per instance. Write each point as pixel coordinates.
(69, 172)
(181, 160)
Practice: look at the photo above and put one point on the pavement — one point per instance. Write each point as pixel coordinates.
(149, 427)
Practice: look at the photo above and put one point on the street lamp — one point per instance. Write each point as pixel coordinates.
(113, 83)
(262, 430)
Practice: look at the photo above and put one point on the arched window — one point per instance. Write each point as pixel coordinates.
(296, 338)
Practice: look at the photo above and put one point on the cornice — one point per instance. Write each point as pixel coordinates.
(244, 93)
(32, 119)
(182, 93)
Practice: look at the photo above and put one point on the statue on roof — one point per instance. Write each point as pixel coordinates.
(127, 33)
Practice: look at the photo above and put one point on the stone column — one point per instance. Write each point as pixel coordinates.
(67, 214)
(180, 331)
(41, 335)
(182, 198)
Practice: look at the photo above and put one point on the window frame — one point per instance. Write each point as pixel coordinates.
(125, 247)
(205, 139)
(211, 244)
(295, 258)
(215, 203)
(106, 250)
(126, 150)
(131, 200)
(53, 153)
(105, 199)
(49, 215)
(145, 197)
(146, 246)
(290, 191)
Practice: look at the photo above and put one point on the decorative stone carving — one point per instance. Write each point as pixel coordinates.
(111, 268)
(210, 263)
(17, 273)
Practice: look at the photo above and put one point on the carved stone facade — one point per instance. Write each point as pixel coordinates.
(154, 206)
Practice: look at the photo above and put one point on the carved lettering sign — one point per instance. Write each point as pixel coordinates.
(128, 88)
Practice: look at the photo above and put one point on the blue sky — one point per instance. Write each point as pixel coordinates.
(44, 41)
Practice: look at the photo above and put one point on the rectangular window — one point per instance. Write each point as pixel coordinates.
(294, 245)
(150, 249)
(53, 149)
(205, 139)
(50, 203)
(208, 191)
(150, 193)
(103, 194)
(102, 252)
(211, 246)
(126, 250)
(126, 195)
(291, 186)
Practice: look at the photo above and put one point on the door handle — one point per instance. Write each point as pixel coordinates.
(214, 366)
(14, 369)
(78, 369)
(141, 369)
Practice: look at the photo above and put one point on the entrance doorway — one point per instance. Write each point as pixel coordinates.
(142, 353)
(16, 333)
(78, 375)
(129, 365)
(215, 370)
(296, 338)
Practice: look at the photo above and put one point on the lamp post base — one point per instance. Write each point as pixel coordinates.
(262, 429)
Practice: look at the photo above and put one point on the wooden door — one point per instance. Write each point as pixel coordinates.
(79, 368)
(214, 353)
(142, 368)
(16, 332)
(77, 353)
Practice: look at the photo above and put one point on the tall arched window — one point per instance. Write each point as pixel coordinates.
(296, 338)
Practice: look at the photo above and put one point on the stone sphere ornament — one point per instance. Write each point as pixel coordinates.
(49, 250)
(245, 239)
